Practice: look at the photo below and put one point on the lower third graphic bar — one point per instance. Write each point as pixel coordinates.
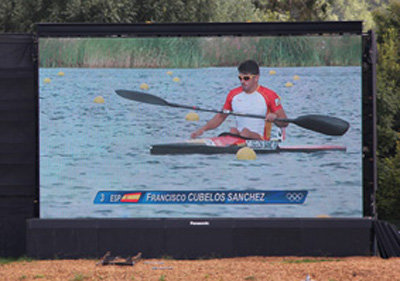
(202, 197)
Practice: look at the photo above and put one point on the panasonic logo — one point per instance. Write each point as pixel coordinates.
(199, 223)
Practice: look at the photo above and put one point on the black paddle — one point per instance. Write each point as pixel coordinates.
(319, 123)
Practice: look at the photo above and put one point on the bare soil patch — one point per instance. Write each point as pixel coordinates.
(232, 269)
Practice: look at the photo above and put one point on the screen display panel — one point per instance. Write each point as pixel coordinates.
(120, 127)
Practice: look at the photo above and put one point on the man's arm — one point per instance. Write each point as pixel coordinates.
(280, 113)
(212, 124)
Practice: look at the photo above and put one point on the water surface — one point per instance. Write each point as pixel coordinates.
(86, 147)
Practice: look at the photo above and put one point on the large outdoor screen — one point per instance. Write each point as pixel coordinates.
(116, 135)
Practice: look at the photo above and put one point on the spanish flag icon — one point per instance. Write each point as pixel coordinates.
(131, 197)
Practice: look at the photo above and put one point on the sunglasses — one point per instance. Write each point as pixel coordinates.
(245, 77)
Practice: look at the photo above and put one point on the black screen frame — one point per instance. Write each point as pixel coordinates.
(54, 30)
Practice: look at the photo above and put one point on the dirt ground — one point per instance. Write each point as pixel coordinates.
(230, 269)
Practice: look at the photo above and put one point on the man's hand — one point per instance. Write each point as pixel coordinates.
(212, 124)
(279, 114)
(197, 133)
(271, 117)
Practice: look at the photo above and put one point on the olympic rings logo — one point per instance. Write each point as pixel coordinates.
(294, 196)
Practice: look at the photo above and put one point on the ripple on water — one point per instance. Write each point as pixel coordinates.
(337, 165)
(104, 212)
(81, 188)
(181, 167)
(254, 179)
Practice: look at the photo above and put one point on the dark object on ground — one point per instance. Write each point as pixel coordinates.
(107, 259)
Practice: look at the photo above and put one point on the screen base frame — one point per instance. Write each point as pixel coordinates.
(200, 238)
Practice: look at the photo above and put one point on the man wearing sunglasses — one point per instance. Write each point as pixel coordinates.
(249, 98)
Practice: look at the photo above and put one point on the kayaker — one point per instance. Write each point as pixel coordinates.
(249, 98)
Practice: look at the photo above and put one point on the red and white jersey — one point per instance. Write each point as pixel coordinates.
(260, 102)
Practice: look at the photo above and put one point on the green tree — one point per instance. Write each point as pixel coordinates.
(295, 10)
(176, 11)
(96, 11)
(234, 11)
(388, 107)
(351, 10)
(22, 15)
(17, 15)
(388, 195)
(317, 10)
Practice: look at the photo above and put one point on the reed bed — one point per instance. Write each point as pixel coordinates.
(194, 52)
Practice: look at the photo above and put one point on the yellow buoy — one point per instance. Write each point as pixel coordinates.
(192, 116)
(99, 99)
(176, 79)
(246, 153)
(148, 22)
(272, 72)
(289, 84)
(144, 86)
(248, 20)
(296, 77)
(47, 80)
(60, 73)
(169, 72)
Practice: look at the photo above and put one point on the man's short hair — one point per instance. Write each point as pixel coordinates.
(249, 66)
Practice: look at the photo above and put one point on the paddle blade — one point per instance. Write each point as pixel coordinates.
(323, 124)
(141, 97)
